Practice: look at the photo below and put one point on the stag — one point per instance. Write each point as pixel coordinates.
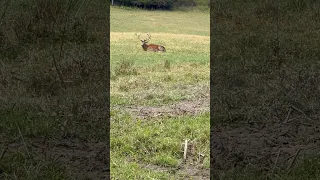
(150, 47)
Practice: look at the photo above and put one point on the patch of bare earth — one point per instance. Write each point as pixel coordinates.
(83, 159)
(265, 145)
(186, 107)
(196, 172)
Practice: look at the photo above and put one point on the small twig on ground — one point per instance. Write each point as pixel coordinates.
(292, 119)
(3, 152)
(293, 160)
(18, 79)
(304, 114)
(275, 163)
(287, 118)
(278, 176)
(75, 16)
(56, 66)
(24, 143)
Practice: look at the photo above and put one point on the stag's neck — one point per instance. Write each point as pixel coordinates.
(145, 46)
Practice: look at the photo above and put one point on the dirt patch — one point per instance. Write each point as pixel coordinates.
(191, 167)
(196, 173)
(259, 145)
(83, 160)
(187, 107)
(186, 170)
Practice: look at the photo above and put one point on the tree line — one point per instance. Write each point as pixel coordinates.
(161, 4)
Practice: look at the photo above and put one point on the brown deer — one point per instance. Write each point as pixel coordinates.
(151, 47)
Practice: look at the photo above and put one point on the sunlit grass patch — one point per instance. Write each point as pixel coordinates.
(181, 48)
(176, 22)
(161, 87)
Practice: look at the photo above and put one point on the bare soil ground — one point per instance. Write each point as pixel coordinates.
(186, 170)
(82, 159)
(186, 107)
(260, 144)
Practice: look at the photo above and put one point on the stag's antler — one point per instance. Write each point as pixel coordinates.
(149, 36)
(138, 36)
(144, 40)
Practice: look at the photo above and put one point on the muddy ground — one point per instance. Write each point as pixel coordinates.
(82, 159)
(186, 107)
(264, 146)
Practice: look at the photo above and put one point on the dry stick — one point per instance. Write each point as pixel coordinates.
(287, 159)
(278, 176)
(185, 149)
(24, 143)
(75, 16)
(294, 159)
(18, 79)
(304, 114)
(3, 152)
(56, 66)
(7, 146)
(287, 118)
(275, 163)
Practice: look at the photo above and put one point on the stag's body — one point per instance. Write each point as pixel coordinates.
(151, 47)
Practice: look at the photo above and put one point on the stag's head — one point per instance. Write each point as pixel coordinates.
(144, 41)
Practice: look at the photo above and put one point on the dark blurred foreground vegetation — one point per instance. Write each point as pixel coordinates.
(265, 71)
(53, 76)
(265, 59)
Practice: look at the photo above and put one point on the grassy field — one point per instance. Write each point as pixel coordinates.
(158, 100)
(265, 90)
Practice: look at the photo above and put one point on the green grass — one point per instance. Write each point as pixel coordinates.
(180, 48)
(151, 79)
(131, 170)
(171, 22)
(156, 142)
(156, 87)
(145, 78)
(143, 140)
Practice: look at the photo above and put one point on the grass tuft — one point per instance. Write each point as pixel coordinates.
(125, 68)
